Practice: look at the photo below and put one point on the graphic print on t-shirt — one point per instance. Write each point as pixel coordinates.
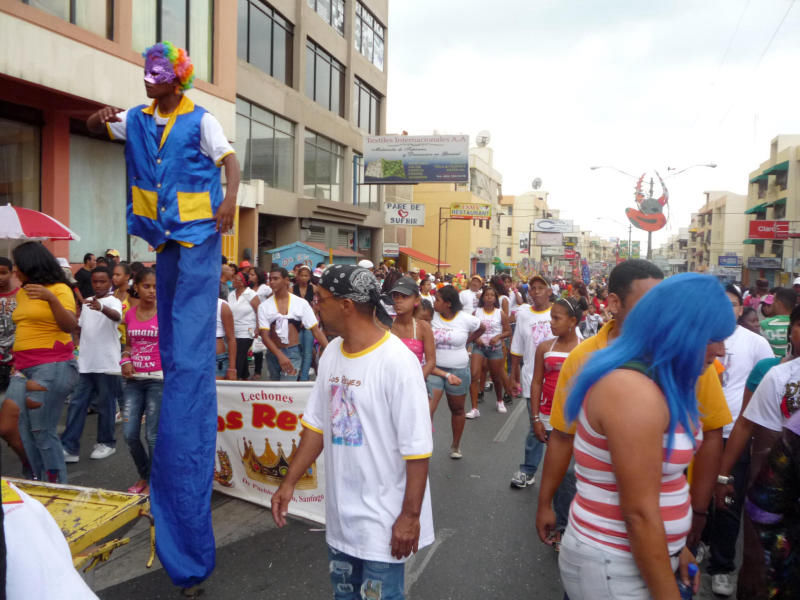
(791, 398)
(441, 337)
(540, 331)
(346, 429)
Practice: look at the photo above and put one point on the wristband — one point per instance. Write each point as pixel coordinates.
(125, 361)
(125, 353)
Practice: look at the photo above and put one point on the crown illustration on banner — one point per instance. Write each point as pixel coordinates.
(272, 468)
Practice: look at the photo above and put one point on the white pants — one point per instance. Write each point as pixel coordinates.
(589, 573)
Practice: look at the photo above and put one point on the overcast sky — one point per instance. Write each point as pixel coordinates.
(566, 84)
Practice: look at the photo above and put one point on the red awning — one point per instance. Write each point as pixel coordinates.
(417, 255)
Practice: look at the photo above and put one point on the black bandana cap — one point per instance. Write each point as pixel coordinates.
(356, 283)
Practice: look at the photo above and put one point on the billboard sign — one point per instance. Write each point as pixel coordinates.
(409, 159)
(635, 249)
(391, 250)
(470, 210)
(552, 225)
(523, 242)
(549, 239)
(552, 251)
(763, 262)
(569, 254)
(728, 261)
(404, 213)
(769, 230)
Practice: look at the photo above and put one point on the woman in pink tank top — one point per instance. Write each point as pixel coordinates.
(417, 335)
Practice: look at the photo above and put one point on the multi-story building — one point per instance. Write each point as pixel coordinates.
(716, 231)
(311, 82)
(296, 84)
(517, 239)
(61, 61)
(675, 252)
(774, 194)
(459, 245)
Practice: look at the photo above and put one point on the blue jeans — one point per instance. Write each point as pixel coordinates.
(105, 386)
(222, 364)
(534, 449)
(37, 426)
(294, 355)
(307, 351)
(142, 397)
(356, 579)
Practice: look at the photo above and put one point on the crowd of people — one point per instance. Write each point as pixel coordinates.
(706, 374)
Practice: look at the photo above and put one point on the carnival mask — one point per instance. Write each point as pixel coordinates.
(158, 69)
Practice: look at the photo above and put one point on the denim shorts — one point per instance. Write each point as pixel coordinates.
(435, 382)
(488, 352)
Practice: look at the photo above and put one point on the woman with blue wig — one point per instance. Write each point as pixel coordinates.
(638, 429)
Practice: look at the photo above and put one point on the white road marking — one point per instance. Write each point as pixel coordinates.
(414, 570)
(511, 421)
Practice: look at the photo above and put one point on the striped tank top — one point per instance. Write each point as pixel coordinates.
(595, 515)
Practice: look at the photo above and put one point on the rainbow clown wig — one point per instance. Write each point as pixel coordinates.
(166, 63)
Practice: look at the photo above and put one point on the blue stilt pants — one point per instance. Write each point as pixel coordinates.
(187, 285)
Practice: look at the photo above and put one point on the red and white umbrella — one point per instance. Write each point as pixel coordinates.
(23, 224)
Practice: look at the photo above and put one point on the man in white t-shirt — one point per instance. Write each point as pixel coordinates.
(470, 296)
(280, 318)
(98, 364)
(743, 349)
(369, 410)
(533, 327)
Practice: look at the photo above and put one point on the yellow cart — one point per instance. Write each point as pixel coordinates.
(87, 516)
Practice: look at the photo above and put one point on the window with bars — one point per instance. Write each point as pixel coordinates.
(188, 24)
(264, 145)
(366, 107)
(322, 172)
(96, 16)
(331, 11)
(324, 78)
(265, 39)
(369, 35)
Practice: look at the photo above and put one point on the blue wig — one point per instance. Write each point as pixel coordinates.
(668, 330)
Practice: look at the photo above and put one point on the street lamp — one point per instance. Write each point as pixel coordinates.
(711, 165)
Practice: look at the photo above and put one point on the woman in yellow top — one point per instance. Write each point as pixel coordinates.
(46, 370)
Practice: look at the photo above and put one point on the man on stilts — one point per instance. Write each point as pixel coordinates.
(174, 150)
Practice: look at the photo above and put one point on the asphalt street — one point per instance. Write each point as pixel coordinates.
(486, 544)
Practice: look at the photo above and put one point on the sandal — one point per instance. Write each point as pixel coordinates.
(137, 488)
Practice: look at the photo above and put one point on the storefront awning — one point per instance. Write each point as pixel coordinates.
(417, 255)
(757, 208)
(751, 241)
(778, 202)
(758, 178)
(784, 166)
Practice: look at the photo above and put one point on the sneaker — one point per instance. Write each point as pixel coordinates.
(722, 584)
(71, 458)
(480, 396)
(118, 418)
(455, 453)
(507, 398)
(702, 552)
(521, 480)
(473, 414)
(102, 451)
(501, 407)
(489, 385)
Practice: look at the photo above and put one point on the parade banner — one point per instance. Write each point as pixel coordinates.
(258, 432)
(416, 159)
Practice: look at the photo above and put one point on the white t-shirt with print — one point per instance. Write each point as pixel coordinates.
(533, 327)
(269, 317)
(743, 349)
(777, 397)
(469, 300)
(372, 410)
(244, 317)
(263, 292)
(451, 336)
(99, 350)
(213, 142)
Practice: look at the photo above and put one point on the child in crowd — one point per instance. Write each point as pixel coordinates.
(141, 367)
(592, 323)
(98, 364)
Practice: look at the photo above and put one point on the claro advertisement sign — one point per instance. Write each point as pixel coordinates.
(402, 159)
